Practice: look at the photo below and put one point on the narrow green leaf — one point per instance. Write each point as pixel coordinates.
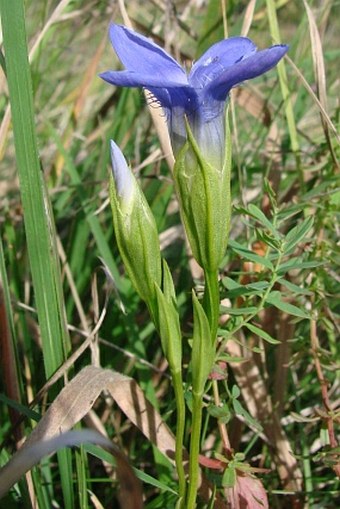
(38, 218)
(237, 290)
(235, 391)
(268, 239)
(296, 264)
(258, 285)
(152, 481)
(168, 283)
(230, 284)
(255, 212)
(263, 334)
(169, 329)
(222, 413)
(268, 189)
(22, 409)
(250, 255)
(239, 410)
(293, 288)
(229, 358)
(296, 234)
(239, 311)
(274, 298)
(202, 349)
(100, 453)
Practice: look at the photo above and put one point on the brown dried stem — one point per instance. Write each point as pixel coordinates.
(328, 417)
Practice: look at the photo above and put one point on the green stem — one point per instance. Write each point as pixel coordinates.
(180, 407)
(211, 301)
(211, 304)
(194, 449)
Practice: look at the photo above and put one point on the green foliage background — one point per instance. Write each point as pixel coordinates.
(279, 277)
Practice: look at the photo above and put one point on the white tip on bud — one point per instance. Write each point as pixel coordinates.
(122, 175)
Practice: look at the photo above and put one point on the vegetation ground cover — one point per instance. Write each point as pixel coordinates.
(275, 384)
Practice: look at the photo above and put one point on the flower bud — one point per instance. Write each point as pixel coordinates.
(135, 229)
(203, 190)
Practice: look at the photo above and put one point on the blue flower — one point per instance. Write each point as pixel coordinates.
(199, 96)
(195, 105)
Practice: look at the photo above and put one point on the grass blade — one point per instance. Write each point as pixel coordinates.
(38, 218)
(37, 214)
(281, 70)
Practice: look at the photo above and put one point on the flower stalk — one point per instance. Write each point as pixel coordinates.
(177, 382)
(211, 302)
(202, 359)
(167, 323)
(194, 471)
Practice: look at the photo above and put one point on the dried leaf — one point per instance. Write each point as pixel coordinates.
(248, 493)
(30, 455)
(77, 399)
(319, 71)
(248, 18)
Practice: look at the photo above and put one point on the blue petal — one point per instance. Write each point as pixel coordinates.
(184, 98)
(135, 79)
(139, 54)
(250, 67)
(218, 58)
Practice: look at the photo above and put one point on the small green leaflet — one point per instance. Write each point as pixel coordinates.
(235, 391)
(239, 410)
(223, 413)
(262, 334)
(229, 477)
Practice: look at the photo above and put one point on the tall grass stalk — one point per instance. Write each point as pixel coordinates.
(39, 225)
(38, 218)
(286, 94)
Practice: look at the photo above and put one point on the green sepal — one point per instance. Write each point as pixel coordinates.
(203, 351)
(138, 243)
(205, 201)
(168, 321)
